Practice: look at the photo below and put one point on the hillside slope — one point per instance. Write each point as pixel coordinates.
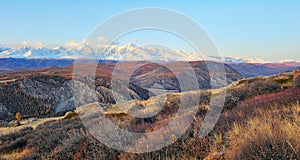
(263, 105)
(48, 92)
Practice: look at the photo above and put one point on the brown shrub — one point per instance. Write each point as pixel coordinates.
(297, 80)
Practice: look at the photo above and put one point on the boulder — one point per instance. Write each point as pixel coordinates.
(3, 123)
(4, 113)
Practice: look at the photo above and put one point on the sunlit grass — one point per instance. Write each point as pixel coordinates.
(15, 155)
(24, 124)
(267, 133)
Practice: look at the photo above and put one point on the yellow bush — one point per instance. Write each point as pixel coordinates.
(18, 116)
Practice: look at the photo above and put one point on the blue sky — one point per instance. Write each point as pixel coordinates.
(265, 29)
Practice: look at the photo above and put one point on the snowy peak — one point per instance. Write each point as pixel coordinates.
(289, 61)
(240, 60)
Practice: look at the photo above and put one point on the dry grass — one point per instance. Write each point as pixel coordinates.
(267, 134)
(24, 124)
(16, 155)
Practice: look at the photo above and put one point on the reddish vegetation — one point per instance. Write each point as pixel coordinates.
(246, 108)
(296, 74)
(280, 98)
(105, 69)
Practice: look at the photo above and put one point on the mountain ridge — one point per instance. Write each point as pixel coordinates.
(128, 52)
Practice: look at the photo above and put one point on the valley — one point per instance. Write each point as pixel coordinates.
(45, 94)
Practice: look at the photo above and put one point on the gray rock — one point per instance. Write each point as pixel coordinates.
(3, 123)
(4, 113)
(65, 106)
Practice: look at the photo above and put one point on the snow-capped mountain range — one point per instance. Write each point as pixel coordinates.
(128, 52)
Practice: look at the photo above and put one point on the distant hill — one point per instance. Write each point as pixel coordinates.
(253, 70)
(245, 69)
(7, 64)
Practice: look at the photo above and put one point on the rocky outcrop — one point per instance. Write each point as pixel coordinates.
(67, 94)
(4, 113)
